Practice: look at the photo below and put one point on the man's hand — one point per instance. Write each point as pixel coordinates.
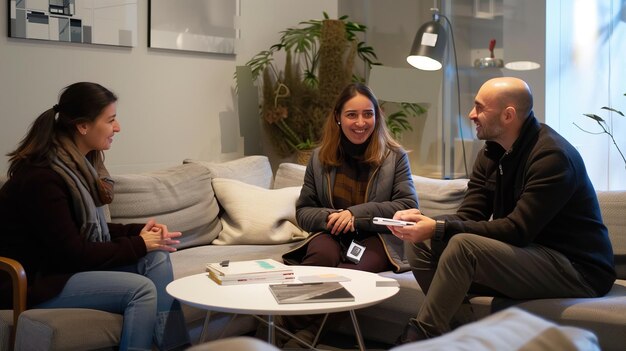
(423, 229)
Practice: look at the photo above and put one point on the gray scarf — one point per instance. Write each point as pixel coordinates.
(87, 189)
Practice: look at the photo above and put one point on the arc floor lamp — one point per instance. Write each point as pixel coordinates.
(427, 53)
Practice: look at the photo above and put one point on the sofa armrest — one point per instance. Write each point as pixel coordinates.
(18, 281)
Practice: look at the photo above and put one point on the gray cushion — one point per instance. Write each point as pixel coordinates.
(613, 207)
(605, 316)
(241, 343)
(180, 197)
(67, 329)
(439, 196)
(6, 324)
(289, 174)
(254, 170)
(511, 329)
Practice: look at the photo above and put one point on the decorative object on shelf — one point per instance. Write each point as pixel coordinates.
(201, 25)
(320, 62)
(606, 129)
(491, 61)
(78, 21)
(487, 9)
(427, 54)
(522, 65)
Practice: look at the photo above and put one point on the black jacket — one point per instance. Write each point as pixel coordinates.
(538, 192)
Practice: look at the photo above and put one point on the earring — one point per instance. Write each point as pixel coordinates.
(338, 123)
(83, 132)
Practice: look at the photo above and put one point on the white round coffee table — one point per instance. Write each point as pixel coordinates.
(256, 299)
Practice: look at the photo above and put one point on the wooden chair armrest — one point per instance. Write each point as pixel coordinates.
(18, 279)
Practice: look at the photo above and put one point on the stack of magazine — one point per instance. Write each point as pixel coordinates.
(248, 272)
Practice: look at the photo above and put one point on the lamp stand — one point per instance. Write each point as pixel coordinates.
(450, 174)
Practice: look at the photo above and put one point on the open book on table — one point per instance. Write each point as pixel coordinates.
(310, 292)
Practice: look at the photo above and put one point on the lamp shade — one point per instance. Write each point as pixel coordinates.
(428, 47)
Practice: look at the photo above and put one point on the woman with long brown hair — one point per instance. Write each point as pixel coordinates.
(359, 172)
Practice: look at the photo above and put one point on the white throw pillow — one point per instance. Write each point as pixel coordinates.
(254, 215)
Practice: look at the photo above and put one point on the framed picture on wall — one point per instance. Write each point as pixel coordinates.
(193, 25)
(75, 21)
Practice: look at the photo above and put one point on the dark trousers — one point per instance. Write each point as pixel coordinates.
(325, 250)
(472, 263)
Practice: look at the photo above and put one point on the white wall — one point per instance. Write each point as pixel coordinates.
(586, 49)
(171, 102)
(175, 105)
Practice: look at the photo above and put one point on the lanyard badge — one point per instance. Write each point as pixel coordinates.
(355, 252)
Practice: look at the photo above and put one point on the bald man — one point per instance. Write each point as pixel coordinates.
(529, 226)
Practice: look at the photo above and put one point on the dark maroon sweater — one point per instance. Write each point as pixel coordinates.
(40, 231)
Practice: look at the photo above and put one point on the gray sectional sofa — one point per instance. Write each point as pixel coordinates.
(260, 189)
(238, 210)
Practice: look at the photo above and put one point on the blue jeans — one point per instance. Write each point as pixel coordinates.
(137, 292)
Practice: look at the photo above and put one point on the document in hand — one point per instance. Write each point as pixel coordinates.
(254, 271)
(310, 292)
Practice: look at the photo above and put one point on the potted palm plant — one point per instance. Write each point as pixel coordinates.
(320, 60)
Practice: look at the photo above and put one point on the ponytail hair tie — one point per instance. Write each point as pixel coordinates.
(55, 108)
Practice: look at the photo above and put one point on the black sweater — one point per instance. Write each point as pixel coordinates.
(538, 192)
(40, 231)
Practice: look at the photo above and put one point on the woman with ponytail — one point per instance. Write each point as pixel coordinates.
(52, 209)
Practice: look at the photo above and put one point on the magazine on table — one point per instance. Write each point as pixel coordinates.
(253, 271)
(248, 268)
(310, 292)
(324, 277)
(259, 278)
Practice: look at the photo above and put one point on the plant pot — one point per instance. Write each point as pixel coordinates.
(303, 156)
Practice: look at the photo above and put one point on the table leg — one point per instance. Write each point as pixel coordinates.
(271, 333)
(357, 331)
(272, 328)
(205, 327)
(319, 331)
